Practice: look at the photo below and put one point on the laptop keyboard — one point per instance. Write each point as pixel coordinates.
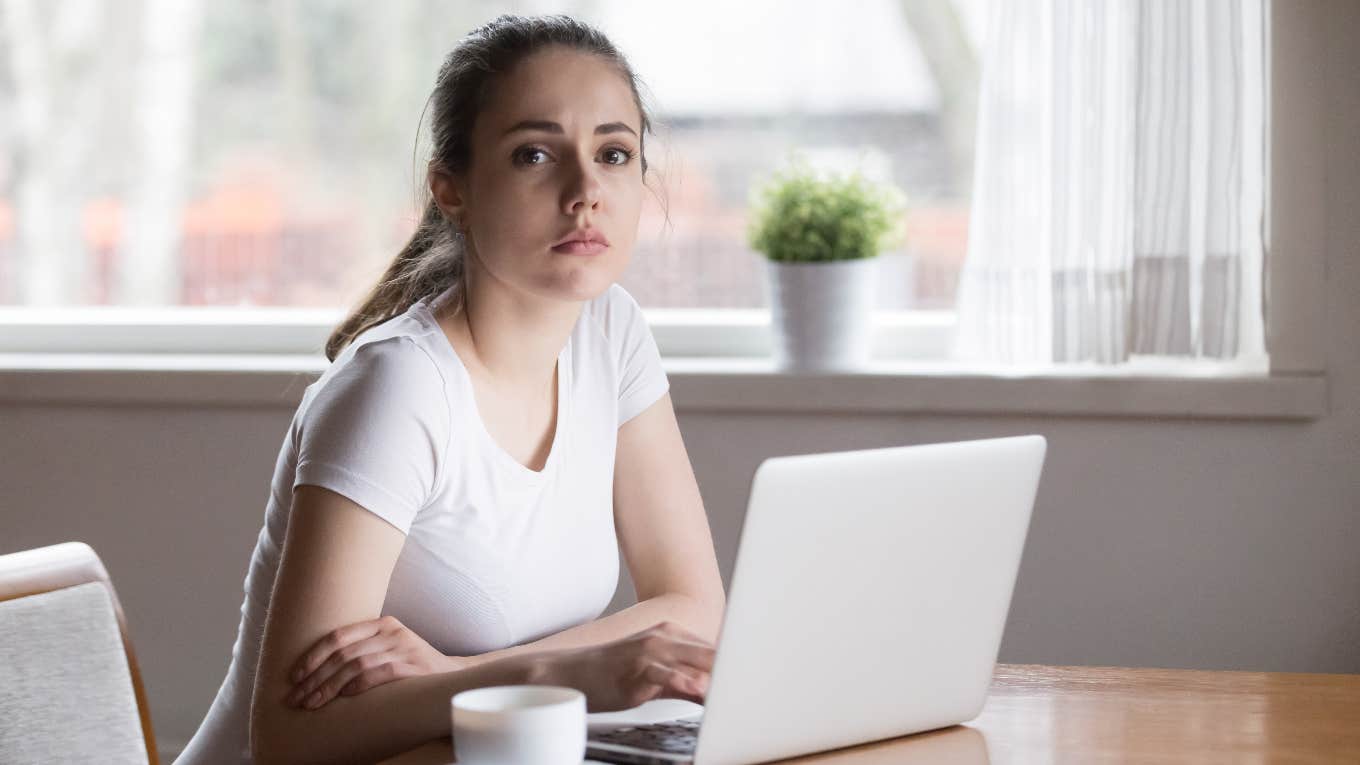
(679, 737)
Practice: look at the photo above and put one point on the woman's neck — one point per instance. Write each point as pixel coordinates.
(510, 338)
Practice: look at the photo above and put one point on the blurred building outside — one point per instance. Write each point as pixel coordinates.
(251, 229)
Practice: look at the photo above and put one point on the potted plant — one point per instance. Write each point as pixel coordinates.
(821, 235)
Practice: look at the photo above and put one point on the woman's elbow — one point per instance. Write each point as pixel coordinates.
(261, 751)
(719, 610)
(707, 615)
(269, 737)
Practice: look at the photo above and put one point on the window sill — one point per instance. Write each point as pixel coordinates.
(703, 385)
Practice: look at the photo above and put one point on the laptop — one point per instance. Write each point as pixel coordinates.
(867, 602)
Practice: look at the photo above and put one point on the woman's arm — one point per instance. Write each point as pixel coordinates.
(336, 562)
(661, 522)
(671, 608)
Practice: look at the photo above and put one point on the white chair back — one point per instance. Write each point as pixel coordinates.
(70, 690)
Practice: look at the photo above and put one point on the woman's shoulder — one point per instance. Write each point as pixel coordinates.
(397, 368)
(615, 311)
(402, 343)
(394, 354)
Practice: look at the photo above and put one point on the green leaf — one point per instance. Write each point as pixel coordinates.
(798, 216)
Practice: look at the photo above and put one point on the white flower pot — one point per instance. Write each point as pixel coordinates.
(821, 314)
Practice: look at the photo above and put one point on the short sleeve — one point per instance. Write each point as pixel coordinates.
(376, 430)
(642, 380)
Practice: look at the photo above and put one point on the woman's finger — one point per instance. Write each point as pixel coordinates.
(694, 655)
(691, 686)
(330, 643)
(673, 682)
(675, 630)
(335, 662)
(378, 664)
(379, 676)
(671, 651)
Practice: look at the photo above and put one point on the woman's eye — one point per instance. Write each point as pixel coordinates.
(620, 156)
(525, 156)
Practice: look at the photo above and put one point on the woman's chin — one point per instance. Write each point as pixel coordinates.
(572, 290)
(586, 281)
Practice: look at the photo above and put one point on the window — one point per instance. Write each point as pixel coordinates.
(260, 155)
(253, 178)
(1296, 232)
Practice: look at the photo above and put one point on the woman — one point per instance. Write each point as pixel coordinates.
(449, 503)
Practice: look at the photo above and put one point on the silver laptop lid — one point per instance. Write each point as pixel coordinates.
(869, 596)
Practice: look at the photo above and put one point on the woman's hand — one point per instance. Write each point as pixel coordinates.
(352, 659)
(662, 661)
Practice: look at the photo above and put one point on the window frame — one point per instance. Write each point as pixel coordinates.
(1296, 199)
(679, 332)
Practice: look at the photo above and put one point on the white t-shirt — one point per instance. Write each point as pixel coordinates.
(495, 554)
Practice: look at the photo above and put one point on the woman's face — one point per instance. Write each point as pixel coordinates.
(555, 149)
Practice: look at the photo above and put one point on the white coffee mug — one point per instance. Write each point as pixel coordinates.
(517, 724)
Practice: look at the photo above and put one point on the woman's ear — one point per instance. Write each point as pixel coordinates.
(448, 196)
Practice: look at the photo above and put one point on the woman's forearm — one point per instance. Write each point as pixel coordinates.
(378, 723)
(686, 611)
(401, 715)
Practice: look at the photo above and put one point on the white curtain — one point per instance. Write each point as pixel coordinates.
(1118, 181)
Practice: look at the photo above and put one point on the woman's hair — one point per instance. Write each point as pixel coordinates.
(432, 260)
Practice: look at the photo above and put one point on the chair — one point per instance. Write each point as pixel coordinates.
(70, 690)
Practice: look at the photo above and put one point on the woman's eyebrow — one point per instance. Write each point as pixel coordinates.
(552, 127)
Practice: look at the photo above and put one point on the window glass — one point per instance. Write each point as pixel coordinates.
(189, 153)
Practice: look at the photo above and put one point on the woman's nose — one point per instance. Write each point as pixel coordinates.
(583, 189)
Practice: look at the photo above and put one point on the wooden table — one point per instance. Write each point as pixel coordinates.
(1041, 714)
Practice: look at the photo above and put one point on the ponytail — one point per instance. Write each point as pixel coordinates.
(431, 262)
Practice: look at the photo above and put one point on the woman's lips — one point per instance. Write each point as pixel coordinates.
(578, 247)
